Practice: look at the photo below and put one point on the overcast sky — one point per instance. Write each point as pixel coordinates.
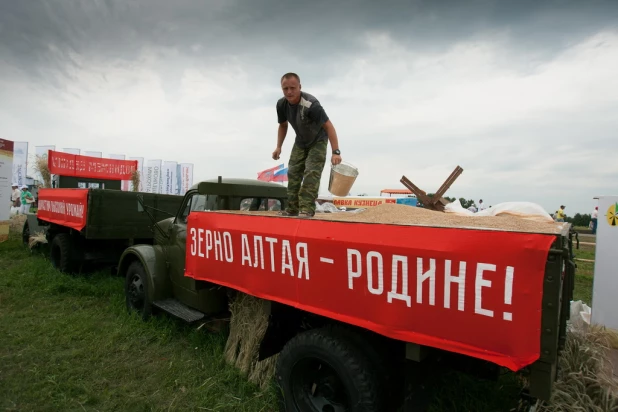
(522, 95)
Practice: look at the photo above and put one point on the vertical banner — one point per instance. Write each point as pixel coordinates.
(186, 177)
(42, 150)
(93, 154)
(20, 162)
(605, 283)
(152, 176)
(117, 156)
(6, 175)
(169, 178)
(142, 173)
(71, 150)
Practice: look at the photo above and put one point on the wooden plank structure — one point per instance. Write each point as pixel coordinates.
(436, 202)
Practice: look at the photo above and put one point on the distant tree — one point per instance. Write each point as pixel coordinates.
(579, 219)
(466, 203)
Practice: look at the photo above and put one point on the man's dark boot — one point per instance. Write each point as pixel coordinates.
(306, 214)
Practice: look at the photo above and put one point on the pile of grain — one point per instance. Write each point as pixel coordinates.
(417, 216)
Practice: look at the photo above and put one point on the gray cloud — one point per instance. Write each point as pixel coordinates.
(404, 97)
(45, 38)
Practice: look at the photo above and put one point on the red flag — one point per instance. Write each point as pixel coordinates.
(267, 175)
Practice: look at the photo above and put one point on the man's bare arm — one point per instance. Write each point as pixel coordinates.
(281, 133)
(334, 142)
(332, 135)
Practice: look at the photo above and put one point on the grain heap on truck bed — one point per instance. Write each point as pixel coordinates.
(415, 216)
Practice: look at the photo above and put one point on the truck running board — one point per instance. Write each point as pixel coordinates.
(174, 307)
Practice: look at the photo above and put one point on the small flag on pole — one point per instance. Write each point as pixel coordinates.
(280, 175)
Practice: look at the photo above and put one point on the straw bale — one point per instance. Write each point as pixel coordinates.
(248, 323)
(585, 382)
(135, 180)
(41, 166)
(37, 239)
(17, 224)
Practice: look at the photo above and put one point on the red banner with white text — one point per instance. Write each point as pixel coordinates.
(66, 207)
(66, 164)
(430, 286)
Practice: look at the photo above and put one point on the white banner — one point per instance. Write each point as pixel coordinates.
(42, 150)
(117, 156)
(6, 175)
(169, 178)
(71, 150)
(142, 174)
(152, 176)
(93, 154)
(20, 162)
(186, 177)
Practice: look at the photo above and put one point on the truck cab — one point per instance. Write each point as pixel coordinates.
(154, 274)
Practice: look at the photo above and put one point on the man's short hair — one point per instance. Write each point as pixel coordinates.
(290, 75)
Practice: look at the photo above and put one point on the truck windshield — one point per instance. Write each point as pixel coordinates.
(196, 202)
(260, 204)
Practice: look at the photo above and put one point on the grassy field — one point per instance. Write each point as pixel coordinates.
(585, 270)
(67, 343)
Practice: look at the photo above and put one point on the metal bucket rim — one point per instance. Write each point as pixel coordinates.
(346, 165)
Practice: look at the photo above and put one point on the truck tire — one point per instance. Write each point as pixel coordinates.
(321, 371)
(136, 291)
(380, 356)
(62, 254)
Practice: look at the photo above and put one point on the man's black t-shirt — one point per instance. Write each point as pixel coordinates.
(307, 118)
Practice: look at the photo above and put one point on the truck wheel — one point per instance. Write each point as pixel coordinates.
(62, 254)
(136, 291)
(321, 371)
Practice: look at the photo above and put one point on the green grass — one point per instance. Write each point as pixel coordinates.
(584, 273)
(67, 343)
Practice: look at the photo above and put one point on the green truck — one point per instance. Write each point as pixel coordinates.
(367, 371)
(94, 225)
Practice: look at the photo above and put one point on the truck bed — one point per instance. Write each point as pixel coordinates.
(396, 214)
(485, 287)
(104, 213)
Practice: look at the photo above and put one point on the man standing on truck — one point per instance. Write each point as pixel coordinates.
(313, 132)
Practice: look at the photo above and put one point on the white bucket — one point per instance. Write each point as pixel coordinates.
(342, 178)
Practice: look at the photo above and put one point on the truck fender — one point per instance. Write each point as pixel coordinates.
(153, 260)
(34, 226)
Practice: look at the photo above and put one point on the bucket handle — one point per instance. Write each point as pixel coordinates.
(332, 166)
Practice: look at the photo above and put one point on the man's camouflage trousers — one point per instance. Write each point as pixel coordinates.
(304, 173)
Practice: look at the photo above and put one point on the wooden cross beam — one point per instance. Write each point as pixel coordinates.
(437, 202)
